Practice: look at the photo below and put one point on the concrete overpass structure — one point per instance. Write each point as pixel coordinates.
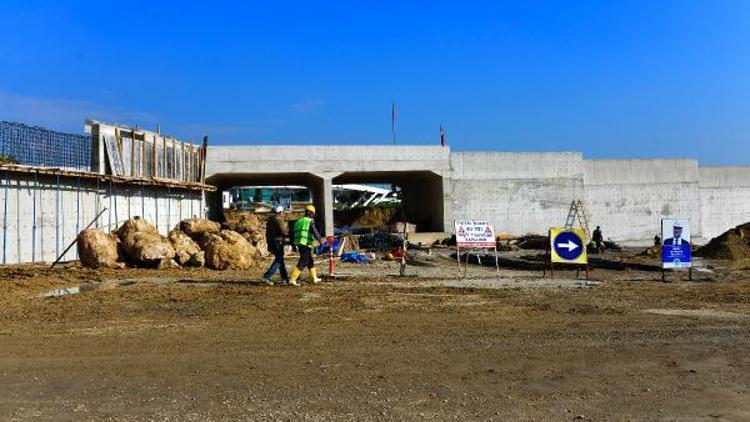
(519, 192)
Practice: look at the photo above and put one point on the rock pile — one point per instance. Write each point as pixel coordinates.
(250, 227)
(192, 243)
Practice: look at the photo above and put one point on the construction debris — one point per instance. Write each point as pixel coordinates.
(733, 244)
(187, 252)
(532, 241)
(228, 250)
(143, 244)
(98, 249)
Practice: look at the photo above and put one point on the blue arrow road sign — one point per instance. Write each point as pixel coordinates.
(568, 245)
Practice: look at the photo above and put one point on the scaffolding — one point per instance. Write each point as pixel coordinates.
(41, 147)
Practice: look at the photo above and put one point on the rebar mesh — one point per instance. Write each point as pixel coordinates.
(40, 147)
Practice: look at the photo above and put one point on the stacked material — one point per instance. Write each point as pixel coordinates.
(733, 244)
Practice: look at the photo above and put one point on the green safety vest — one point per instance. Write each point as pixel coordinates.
(302, 234)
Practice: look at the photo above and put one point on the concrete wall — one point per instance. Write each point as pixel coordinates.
(519, 192)
(628, 198)
(39, 219)
(724, 198)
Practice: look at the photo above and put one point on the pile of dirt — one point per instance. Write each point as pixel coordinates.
(98, 249)
(187, 252)
(143, 245)
(733, 244)
(228, 250)
(368, 217)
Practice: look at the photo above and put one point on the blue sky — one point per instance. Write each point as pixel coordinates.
(610, 79)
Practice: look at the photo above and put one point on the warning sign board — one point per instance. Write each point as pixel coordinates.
(568, 246)
(474, 234)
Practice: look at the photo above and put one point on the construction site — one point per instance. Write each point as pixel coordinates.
(135, 283)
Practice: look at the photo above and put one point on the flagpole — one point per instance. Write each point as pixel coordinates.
(393, 122)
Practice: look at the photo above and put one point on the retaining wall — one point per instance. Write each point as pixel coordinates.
(518, 192)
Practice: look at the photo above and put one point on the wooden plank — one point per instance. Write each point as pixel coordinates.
(142, 168)
(153, 158)
(182, 161)
(174, 160)
(164, 165)
(132, 153)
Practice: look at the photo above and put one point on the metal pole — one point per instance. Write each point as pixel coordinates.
(5, 216)
(33, 219)
(76, 239)
(97, 199)
(78, 209)
(169, 207)
(109, 214)
(18, 221)
(57, 216)
(143, 204)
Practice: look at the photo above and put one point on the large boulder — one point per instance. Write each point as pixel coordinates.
(143, 244)
(98, 249)
(187, 252)
(228, 250)
(197, 228)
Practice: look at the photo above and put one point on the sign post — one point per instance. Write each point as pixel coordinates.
(675, 246)
(471, 234)
(567, 246)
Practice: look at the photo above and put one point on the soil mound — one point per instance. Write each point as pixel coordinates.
(733, 244)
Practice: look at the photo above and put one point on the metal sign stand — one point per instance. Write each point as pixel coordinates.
(548, 258)
(467, 251)
(664, 274)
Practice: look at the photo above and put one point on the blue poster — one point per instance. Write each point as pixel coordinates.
(675, 245)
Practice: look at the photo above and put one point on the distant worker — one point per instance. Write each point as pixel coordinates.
(598, 239)
(657, 240)
(305, 235)
(277, 234)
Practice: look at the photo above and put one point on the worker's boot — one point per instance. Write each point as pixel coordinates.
(294, 276)
(314, 276)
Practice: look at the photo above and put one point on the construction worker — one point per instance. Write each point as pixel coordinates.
(304, 236)
(598, 239)
(277, 233)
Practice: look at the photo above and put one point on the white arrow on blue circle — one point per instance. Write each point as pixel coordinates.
(570, 246)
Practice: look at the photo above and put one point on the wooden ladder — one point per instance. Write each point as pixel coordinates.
(577, 212)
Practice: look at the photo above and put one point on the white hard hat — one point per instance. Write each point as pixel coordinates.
(278, 208)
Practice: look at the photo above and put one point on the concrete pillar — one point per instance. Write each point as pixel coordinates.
(328, 205)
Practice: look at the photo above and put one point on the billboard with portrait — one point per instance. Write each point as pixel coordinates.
(675, 243)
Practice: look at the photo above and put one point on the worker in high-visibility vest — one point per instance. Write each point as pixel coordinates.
(304, 237)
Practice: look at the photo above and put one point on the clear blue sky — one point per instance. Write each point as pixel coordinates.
(611, 79)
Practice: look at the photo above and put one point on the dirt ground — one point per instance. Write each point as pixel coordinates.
(201, 345)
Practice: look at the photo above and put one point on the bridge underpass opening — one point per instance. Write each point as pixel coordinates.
(226, 181)
(421, 194)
